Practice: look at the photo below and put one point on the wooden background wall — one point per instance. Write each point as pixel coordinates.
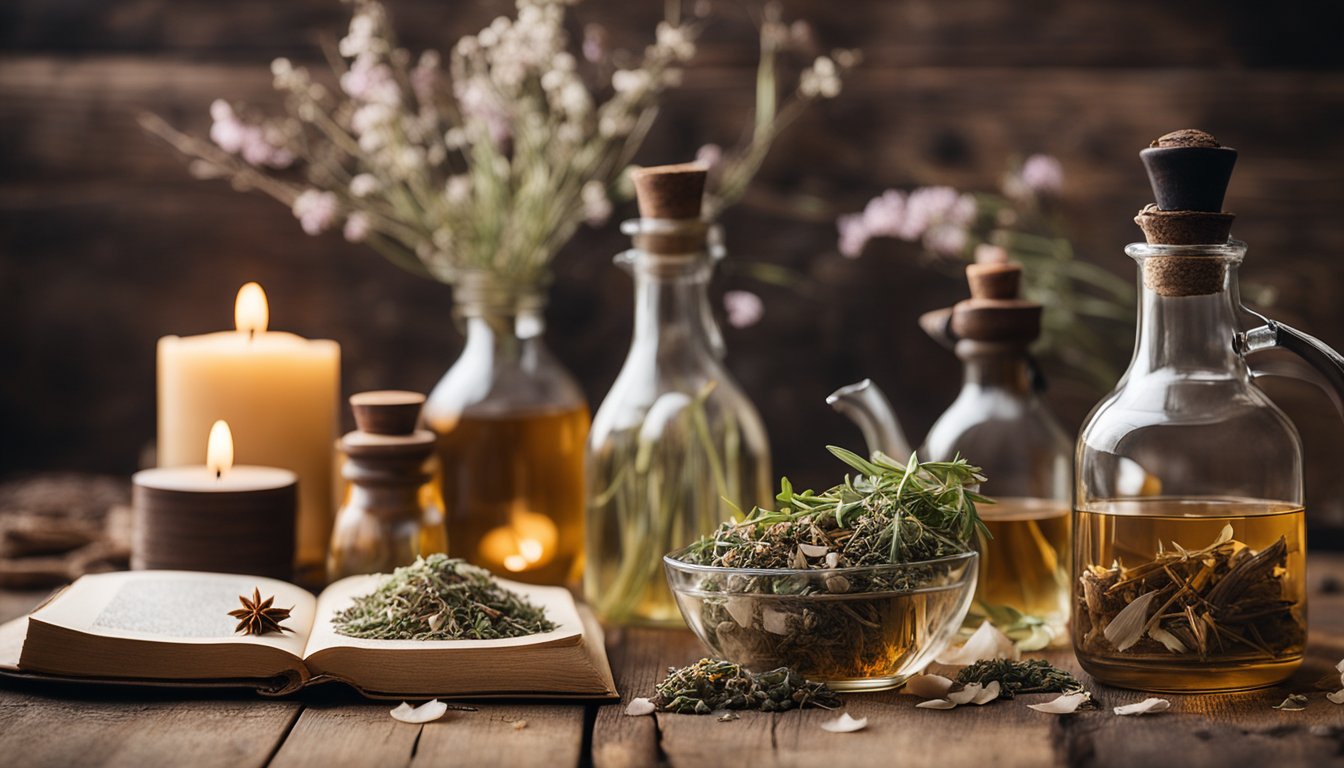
(106, 243)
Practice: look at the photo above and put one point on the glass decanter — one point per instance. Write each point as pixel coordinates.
(1000, 423)
(391, 513)
(675, 444)
(1189, 535)
(511, 424)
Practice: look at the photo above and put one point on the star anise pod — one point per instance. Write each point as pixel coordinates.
(257, 617)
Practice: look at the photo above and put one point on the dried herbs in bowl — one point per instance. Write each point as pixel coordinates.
(859, 586)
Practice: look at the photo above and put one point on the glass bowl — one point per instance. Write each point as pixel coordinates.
(867, 628)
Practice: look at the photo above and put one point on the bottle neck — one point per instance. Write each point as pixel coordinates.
(672, 311)
(1192, 333)
(1001, 368)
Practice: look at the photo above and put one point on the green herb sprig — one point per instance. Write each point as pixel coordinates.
(887, 513)
(441, 598)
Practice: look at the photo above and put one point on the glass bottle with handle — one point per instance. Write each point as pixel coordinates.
(1189, 533)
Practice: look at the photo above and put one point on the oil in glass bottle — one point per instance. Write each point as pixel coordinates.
(1000, 422)
(1189, 543)
(675, 444)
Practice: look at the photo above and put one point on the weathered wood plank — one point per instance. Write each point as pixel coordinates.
(342, 730)
(116, 729)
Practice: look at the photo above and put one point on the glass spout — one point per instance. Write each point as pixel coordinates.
(865, 405)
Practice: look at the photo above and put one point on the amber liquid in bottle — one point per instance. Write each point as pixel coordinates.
(513, 492)
(1025, 565)
(1248, 634)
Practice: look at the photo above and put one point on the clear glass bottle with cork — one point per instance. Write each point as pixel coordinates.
(1000, 422)
(1189, 542)
(392, 513)
(675, 441)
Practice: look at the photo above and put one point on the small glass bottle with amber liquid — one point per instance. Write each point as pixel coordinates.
(1189, 535)
(1000, 422)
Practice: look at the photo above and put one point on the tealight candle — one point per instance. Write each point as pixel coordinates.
(215, 517)
(278, 390)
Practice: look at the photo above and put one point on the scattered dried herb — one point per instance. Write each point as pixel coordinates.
(1225, 598)
(709, 685)
(1017, 677)
(259, 617)
(832, 612)
(440, 598)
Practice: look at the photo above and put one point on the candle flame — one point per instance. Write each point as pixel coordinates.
(219, 450)
(250, 311)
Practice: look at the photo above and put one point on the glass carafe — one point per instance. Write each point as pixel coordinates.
(1189, 534)
(1000, 423)
(511, 424)
(675, 444)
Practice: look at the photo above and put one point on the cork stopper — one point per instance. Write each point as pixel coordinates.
(387, 412)
(1189, 172)
(388, 446)
(995, 312)
(670, 195)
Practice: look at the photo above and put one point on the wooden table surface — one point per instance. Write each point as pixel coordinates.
(44, 726)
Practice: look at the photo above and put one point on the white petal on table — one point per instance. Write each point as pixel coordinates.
(1065, 704)
(1147, 706)
(987, 642)
(639, 707)
(927, 686)
(845, 724)
(425, 713)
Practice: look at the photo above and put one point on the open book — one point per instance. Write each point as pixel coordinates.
(173, 627)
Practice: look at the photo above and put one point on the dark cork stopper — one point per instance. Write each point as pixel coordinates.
(671, 193)
(993, 313)
(1189, 172)
(387, 412)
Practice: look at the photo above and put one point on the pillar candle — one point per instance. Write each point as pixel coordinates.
(277, 390)
(215, 517)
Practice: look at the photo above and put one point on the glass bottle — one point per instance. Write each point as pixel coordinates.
(511, 424)
(675, 442)
(1000, 423)
(1189, 540)
(391, 513)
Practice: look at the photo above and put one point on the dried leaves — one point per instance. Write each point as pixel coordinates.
(709, 685)
(260, 617)
(1222, 599)
(440, 598)
(1020, 677)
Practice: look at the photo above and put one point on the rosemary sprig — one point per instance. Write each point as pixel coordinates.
(887, 513)
(441, 598)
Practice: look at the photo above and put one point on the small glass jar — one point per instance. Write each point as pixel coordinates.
(391, 513)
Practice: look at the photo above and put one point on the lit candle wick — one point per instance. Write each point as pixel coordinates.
(250, 312)
(219, 449)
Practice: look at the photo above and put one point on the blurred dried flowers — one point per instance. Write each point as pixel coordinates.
(490, 165)
(1088, 323)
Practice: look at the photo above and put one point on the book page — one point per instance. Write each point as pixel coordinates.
(557, 602)
(176, 606)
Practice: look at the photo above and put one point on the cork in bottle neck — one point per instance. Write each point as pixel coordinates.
(670, 201)
(1189, 172)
